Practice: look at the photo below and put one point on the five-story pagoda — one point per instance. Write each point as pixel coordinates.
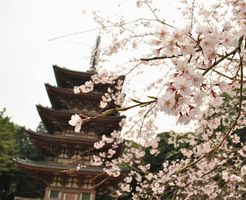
(63, 148)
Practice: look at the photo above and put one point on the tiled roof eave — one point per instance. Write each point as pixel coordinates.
(61, 138)
(54, 167)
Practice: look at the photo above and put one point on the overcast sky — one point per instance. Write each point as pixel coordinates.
(27, 55)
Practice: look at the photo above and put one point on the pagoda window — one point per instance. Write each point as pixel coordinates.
(86, 196)
(54, 194)
(70, 196)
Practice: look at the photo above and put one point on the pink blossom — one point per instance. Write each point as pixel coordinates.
(111, 152)
(76, 90)
(96, 161)
(195, 66)
(99, 144)
(166, 103)
(236, 178)
(243, 170)
(76, 121)
(183, 86)
(235, 139)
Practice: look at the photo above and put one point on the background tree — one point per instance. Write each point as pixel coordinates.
(14, 143)
(26, 184)
(8, 151)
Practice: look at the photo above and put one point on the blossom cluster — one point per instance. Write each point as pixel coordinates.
(219, 176)
(201, 79)
(114, 83)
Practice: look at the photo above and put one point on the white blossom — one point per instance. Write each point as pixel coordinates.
(76, 121)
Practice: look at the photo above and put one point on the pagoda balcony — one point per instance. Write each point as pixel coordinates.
(48, 166)
(66, 99)
(63, 145)
(64, 179)
(56, 121)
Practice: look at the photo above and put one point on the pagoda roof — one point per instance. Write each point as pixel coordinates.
(43, 140)
(53, 145)
(57, 121)
(66, 78)
(65, 138)
(69, 78)
(48, 166)
(65, 98)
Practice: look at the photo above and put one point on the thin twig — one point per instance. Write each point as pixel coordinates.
(110, 26)
(159, 58)
(192, 14)
(221, 74)
(93, 179)
(234, 51)
(115, 110)
(156, 17)
(100, 183)
(132, 69)
(144, 117)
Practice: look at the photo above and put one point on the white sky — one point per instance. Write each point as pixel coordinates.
(26, 56)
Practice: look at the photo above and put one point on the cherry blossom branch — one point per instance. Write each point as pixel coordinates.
(72, 161)
(192, 14)
(72, 34)
(213, 150)
(89, 150)
(100, 183)
(164, 57)
(132, 69)
(115, 110)
(110, 26)
(157, 19)
(224, 75)
(101, 174)
(234, 51)
(239, 108)
(159, 58)
(231, 59)
(153, 12)
(144, 117)
(133, 168)
(212, 170)
(219, 166)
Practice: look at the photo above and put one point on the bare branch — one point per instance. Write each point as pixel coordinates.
(157, 19)
(192, 14)
(159, 58)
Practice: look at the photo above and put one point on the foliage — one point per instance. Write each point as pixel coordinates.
(14, 143)
(26, 184)
(8, 151)
(26, 149)
(41, 128)
(8, 144)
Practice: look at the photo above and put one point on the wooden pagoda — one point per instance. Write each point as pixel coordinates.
(62, 147)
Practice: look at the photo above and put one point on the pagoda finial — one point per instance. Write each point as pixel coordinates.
(95, 54)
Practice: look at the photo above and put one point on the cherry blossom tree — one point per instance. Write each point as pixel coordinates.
(197, 71)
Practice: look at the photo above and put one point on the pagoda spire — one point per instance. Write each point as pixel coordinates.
(95, 55)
